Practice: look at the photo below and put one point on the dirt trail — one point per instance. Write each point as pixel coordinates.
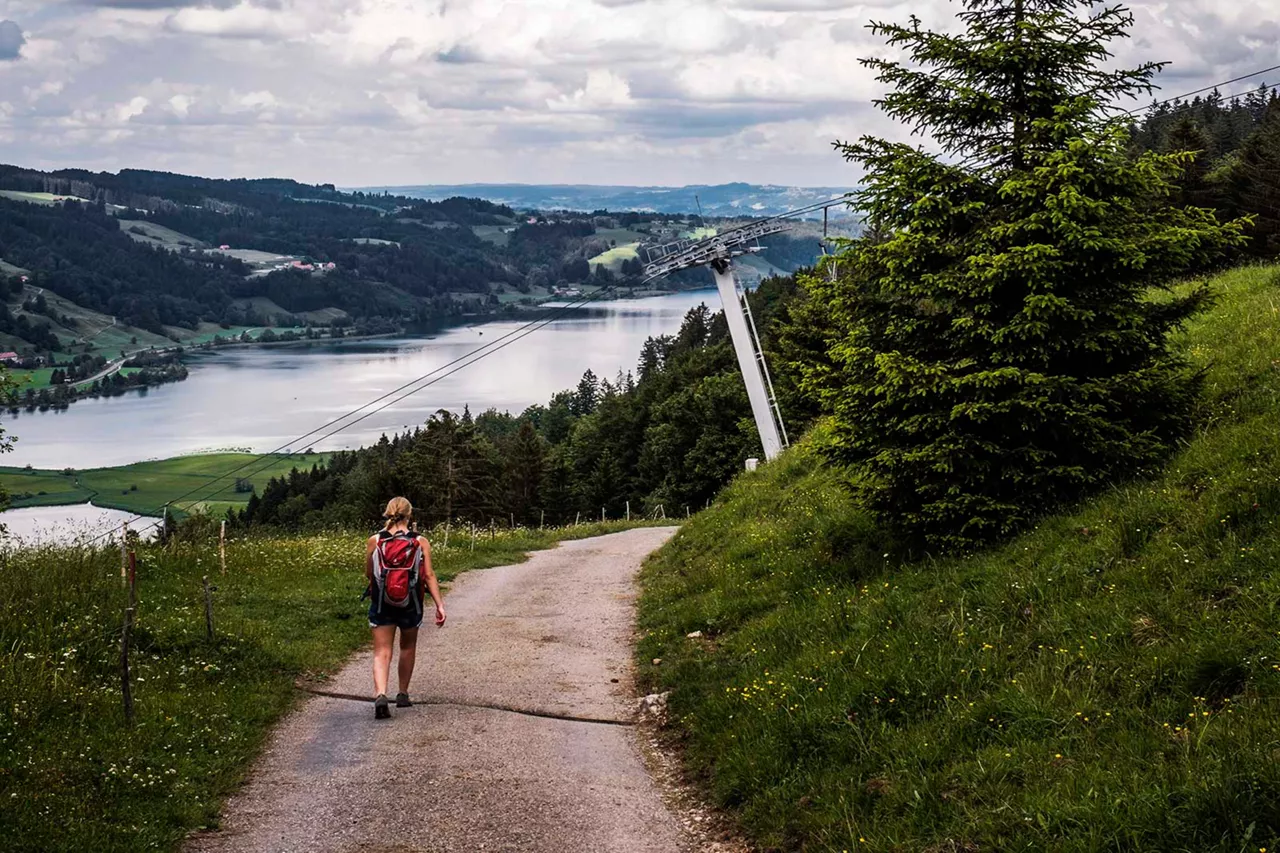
(552, 635)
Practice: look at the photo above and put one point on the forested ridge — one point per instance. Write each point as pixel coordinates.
(384, 262)
(1236, 164)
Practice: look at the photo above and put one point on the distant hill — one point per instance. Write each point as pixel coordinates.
(171, 256)
(723, 200)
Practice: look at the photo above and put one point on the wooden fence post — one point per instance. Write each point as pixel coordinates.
(663, 507)
(124, 553)
(686, 511)
(473, 538)
(133, 579)
(208, 609)
(446, 534)
(576, 518)
(602, 515)
(126, 693)
(543, 523)
(222, 546)
(513, 521)
(628, 510)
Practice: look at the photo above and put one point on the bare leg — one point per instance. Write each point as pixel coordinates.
(383, 638)
(408, 651)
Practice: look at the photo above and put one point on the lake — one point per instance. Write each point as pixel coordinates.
(40, 524)
(267, 398)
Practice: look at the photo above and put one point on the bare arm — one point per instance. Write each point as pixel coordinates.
(433, 585)
(368, 557)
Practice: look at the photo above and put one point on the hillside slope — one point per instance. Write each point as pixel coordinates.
(1105, 682)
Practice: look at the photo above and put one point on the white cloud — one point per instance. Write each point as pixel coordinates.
(402, 91)
(603, 90)
(242, 21)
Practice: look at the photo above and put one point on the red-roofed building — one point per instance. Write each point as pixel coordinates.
(9, 357)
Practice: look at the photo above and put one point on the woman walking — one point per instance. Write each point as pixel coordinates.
(398, 565)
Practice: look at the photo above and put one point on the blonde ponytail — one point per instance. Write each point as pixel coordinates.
(399, 511)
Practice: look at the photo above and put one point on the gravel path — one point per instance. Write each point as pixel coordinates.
(552, 635)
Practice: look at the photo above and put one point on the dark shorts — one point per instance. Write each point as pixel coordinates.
(403, 618)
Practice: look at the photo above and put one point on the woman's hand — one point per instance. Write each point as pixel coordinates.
(439, 616)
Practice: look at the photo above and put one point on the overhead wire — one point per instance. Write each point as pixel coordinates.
(423, 382)
(518, 334)
(1157, 104)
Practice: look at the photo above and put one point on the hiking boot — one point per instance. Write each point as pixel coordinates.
(402, 700)
(381, 710)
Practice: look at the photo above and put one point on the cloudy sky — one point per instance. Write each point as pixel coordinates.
(362, 92)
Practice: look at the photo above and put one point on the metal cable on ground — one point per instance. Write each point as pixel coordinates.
(483, 706)
(475, 355)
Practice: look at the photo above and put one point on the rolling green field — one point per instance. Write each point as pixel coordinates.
(73, 775)
(699, 233)
(38, 198)
(621, 235)
(615, 256)
(1106, 682)
(145, 487)
(158, 235)
(496, 234)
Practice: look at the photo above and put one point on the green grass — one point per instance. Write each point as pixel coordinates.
(73, 776)
(144, 487)
(158, 235)
(621, 235)
(39, 198)
(700, 233)
(1106, 682)
(615, 256)
(498, 235)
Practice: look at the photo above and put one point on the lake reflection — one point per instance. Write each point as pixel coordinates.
(267, 398)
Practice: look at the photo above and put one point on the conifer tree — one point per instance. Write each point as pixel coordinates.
(996, 348)
(1195, 189)
(1253, 183)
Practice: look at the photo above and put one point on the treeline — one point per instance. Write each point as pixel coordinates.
(153, 191)
(79, 252)
(668, 435)
(1236, 170)
(143, 371)
(397, 261)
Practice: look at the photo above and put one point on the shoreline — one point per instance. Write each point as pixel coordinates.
(57, 400)
(145, 488)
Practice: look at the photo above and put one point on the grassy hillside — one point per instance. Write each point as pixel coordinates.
(151, 234)
(1106, 682)
(73, 776)
(144, 487)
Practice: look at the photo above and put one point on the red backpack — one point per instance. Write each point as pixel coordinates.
(397, 570)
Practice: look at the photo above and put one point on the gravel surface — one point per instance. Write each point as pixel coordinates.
(552, 635)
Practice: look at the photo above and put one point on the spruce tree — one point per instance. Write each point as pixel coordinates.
(1001, 344)
(1253, 184)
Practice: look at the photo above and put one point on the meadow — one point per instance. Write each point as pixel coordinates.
(614, 257)
(152, 234)
(73, 775)
(1106, 682)
(145, 487)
